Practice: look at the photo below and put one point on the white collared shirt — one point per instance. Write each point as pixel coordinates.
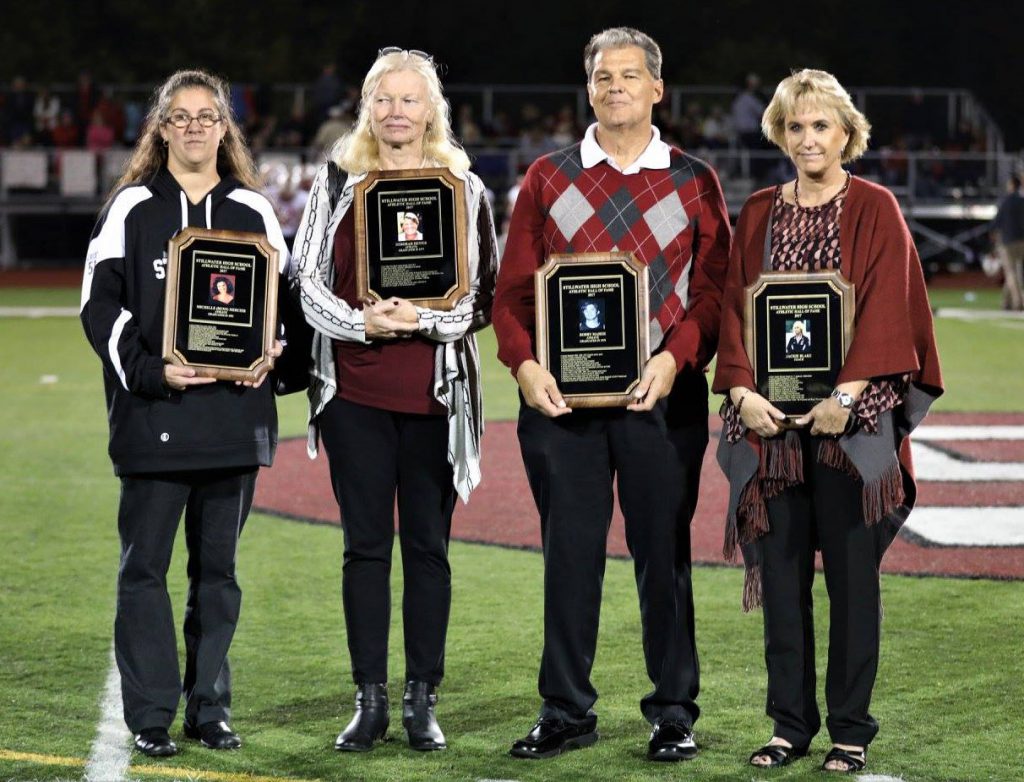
(655, 155)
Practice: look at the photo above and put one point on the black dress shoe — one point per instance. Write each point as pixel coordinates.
(213, 735)
(671, 741)
(156, 743)
(418, 717)
(370, 722)
(550, 737)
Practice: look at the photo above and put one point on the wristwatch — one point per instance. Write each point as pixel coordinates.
(844, 399)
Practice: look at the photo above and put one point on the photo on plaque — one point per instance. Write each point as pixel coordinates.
(222, 288)
(798, 327)
(220, 311)
(592, 328)
(411, 237)
(409, 227)
(798, 337)
(592, 314)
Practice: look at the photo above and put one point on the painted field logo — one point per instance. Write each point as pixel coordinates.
(969, 519)
(971, 472)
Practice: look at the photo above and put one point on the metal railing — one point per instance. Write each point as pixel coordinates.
(955, 186)
(941, 109)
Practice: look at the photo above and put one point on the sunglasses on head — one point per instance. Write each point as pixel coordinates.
(410, 52)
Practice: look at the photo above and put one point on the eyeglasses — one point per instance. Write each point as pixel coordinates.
(399, 50)
(182, 119)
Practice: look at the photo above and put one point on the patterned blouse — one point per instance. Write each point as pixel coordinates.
(806, 238)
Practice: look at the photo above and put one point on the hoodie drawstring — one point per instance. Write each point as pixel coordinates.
(184, 211)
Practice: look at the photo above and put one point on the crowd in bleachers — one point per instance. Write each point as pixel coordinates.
(93, 116)
(308, 119)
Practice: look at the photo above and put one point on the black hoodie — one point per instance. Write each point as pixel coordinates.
(153, 428)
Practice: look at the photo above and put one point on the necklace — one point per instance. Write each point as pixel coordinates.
(839, 192)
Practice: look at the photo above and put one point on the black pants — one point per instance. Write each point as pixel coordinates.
(373, 455)
(216, 504)
(571, 463)
(824, 511)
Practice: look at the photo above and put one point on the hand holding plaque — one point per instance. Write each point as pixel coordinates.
(798, 327)
(411, 237)
(220, 311)
(592, 327)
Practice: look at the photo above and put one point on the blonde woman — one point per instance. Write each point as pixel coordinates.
(842, 483)
(395, 397)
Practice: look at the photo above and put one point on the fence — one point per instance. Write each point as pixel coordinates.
(957, 186)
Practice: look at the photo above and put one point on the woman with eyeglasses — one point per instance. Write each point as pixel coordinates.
(179, 443)
(395, 397)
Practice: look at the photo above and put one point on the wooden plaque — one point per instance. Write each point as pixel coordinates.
(798, 327)
(411, 237)
(220, 311)
(592, 326)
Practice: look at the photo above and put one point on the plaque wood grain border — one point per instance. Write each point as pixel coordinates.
(360, 192)
(171, 354)
(639, 272)
(834, 279)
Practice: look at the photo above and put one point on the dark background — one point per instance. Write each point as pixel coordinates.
(974, 45)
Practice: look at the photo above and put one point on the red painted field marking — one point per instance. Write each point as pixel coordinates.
(501, 510)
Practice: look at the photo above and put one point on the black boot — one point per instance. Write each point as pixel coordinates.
(418, 717)
(370, 722)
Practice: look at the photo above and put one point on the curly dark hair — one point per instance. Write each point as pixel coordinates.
(226, 281)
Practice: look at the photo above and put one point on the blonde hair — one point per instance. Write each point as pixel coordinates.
(150, 153)
(823, 90)
(356, 152)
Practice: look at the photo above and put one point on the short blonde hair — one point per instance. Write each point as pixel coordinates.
(356, 152)
(823, 90)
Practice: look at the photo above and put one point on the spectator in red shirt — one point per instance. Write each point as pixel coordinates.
(100, 136)
(65, 135)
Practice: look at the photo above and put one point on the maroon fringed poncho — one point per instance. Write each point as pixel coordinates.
(893, 336)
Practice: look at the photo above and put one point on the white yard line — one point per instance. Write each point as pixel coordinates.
(968, 314)
(975, 526)
(38, 312)
(111, 750)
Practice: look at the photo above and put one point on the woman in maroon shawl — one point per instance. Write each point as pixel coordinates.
(843, 482)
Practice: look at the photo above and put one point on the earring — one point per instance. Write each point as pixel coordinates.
(165, 143)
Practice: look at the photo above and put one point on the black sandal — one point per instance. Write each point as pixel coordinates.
(778, 754)
(855, 761)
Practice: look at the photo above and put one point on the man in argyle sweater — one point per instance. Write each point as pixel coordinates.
(622, 188)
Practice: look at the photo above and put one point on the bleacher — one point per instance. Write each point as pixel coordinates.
(948, 188)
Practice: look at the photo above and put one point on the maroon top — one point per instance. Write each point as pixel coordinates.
(391, 374)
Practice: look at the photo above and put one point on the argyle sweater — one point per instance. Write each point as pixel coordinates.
(673, 220)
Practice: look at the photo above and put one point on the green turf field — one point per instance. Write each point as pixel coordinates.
(950, 698)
